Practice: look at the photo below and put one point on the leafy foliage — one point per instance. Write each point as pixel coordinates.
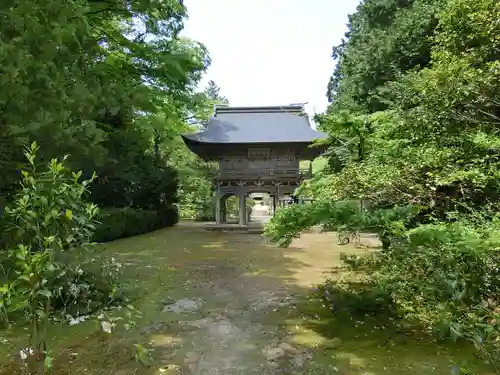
(453, 271)
(49, 210)
(49, 217)
(135, 178)
(127, 222)
(111, 84)
(196, 192)
(417, 126)
(106, 82)
(347, 218)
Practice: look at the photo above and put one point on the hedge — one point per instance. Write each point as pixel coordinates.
(127, 222)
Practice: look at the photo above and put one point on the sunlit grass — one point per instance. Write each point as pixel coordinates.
(167, 265)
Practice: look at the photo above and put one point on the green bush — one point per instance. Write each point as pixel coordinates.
(355, 299)
(88, 286)
(127, 222)
(446, 275)
(47, 218)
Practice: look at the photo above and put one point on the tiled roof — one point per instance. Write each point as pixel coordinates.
(287, 124)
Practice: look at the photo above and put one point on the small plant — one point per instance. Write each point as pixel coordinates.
(355, 299)
(49, 216)
(143, 355)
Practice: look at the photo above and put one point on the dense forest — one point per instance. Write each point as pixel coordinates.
(414, 157)
(96, 93)
(111, 85)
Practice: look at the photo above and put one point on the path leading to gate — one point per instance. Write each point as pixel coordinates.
(231, 317)
(226, 303)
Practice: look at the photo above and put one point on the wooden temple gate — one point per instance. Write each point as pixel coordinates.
(258, 149)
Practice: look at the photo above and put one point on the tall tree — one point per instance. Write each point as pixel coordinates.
(213, 92)
(195, 175)
(414, 135)
(386, 38)
(81, 77)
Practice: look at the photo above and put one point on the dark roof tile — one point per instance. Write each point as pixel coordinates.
(286, 124)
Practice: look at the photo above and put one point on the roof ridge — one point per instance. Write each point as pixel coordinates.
(293, 108)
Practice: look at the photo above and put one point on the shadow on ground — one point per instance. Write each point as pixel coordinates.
(252, 314)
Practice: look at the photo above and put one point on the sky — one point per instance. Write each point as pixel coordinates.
(270, 52)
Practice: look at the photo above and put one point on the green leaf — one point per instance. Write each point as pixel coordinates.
(45, 292)
(48, 362)
(50, 267)
(69, 214)
(24, 277)
(4, 288)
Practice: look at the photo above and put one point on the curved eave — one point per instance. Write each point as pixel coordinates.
(212, 150)
(197, 147)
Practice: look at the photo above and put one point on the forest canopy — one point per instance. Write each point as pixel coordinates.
(111, 84)
(414, 154)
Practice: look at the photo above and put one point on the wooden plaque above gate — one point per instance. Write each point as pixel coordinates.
(259, 153)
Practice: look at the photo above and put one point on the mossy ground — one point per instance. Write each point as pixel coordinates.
(253, 317)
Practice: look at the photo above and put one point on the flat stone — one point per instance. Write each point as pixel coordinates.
(200, 323)
(155, 328)
(224, 330)
(192, 357)
(288, 348)
(183, 305)
(300, 359)
(171, 369)
(274, 354)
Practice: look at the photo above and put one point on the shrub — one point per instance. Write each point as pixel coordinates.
(132, 178)
(197, 200)
(88, 286)
(355, 299)
(127, 222)
(446, 275)
(48, 217)
(347, 218)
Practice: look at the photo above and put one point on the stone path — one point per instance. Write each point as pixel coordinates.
(235, 333)
(225, 304)
(232, 318)
(260, 213)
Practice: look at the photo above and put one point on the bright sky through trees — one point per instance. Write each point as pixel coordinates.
(270, 52)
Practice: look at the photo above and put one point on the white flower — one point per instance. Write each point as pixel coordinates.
(24, 353)
(106, 326)
(73, 289)
(77, 320)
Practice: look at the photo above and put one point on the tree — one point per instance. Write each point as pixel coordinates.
(386, 38)
(414, 144)
(83, 78)
(213, 92)
(196, 191)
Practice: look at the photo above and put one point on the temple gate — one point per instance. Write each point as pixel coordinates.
(258, 149)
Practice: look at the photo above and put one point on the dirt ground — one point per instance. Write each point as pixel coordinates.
(228, 303)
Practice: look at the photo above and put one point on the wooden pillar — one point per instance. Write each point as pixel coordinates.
(223, 207)
(218, 210)
(277, 197)
(274, 203)
(243, 209)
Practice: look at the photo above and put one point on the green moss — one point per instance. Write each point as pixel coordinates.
(227, 272)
